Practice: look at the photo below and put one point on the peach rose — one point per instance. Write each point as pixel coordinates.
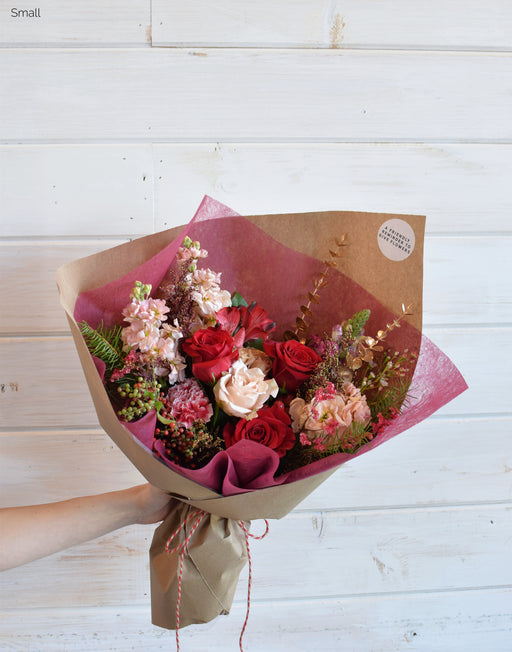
(252, 358)
(241, 391)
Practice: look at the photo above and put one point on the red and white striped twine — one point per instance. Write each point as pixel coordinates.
(196, 518)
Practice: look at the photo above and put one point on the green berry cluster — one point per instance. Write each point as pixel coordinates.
(139, 397)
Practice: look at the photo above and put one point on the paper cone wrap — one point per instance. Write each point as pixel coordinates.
(270, 259)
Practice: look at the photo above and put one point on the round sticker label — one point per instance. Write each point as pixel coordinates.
(396, 239)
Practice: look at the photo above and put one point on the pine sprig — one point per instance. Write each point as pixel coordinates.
(105, 344)
(393, 396)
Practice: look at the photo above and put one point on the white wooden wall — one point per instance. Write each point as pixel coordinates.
(115, 119)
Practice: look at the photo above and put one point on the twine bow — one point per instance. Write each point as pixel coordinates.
(195, 518)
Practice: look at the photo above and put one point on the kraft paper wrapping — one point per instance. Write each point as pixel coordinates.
(217, 553)
(271, 259)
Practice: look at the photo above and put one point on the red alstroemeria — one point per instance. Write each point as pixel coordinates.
(253, 320)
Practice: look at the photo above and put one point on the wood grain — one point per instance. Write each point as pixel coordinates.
(279, 95)
(459, 187)
(334, 24)
(32, 296)
(396, 623)
(76, 190)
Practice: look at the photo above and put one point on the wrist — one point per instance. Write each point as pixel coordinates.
(126, 506)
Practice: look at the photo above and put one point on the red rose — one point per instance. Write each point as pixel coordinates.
(271, 427)
(212, 351)
(293, 363)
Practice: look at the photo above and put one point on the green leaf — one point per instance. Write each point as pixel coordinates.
(237, 300)
(163, 419)
(358, 322)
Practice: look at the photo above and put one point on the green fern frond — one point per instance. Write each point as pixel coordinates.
(105, 344)
(392, 396)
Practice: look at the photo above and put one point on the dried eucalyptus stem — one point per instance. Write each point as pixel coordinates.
(367, 345)
(301, 324)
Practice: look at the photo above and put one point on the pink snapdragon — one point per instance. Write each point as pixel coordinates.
(152, 311)
(207, 295)
(140, 335)
(144, 316)
(190, 251)
(157, 342)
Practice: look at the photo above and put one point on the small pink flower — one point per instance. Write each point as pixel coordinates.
(140, 336)
(206, 279)
(304, 440)
(193, 252)
(209, 301)
(325, 393)
(167, 345)
(151, 311)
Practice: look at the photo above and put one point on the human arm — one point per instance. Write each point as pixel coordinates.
(28, 533)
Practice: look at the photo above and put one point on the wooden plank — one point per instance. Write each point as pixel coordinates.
(322, 554)
(459, 187)
(29, 267)
(447, 261)
(419, 623)
(26, 403)
(31, 302)
(335, 24)
(279, 95)
(76, 190)
(46, 467)
(71, 23)
(439, 462)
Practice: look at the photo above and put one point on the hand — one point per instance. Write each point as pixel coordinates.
(152, 504)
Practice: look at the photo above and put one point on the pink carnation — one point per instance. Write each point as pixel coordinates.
(188, 403)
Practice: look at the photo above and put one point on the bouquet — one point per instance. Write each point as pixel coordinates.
(238, 368)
